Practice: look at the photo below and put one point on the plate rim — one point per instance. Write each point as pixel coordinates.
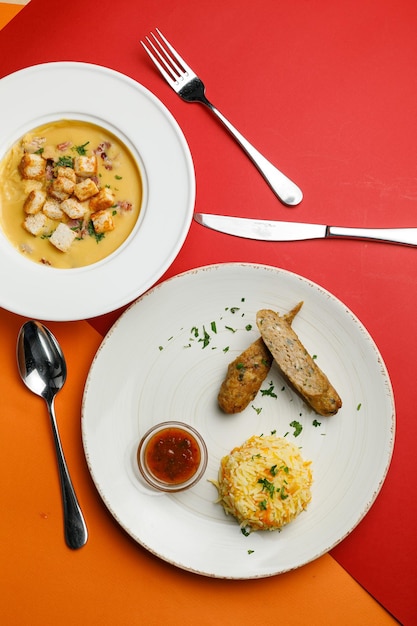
(61, 308)
(389, 394)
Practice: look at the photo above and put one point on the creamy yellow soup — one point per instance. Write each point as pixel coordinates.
(70, 194)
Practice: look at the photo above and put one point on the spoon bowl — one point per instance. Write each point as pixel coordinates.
(42, 368)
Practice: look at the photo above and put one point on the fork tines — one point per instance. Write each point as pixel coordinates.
(172, 67)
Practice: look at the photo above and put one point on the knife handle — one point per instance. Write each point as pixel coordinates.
(284, 188)
(407, 236)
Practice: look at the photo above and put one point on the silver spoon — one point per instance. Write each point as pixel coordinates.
(43, 369)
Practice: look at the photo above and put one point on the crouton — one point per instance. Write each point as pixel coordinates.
(35, 224)
(52, 209)
(61, 188)
(85, 190)
(32, 166)
(33, 144)
(85, 166)
(34, 202)
(73, 209)
(67, 172)
(62, 237)
(103, 200)
(49, 152)
(102, 221)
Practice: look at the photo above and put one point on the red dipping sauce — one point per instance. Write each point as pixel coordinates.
(172, 456)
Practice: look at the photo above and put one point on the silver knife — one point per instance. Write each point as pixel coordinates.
(271, 230)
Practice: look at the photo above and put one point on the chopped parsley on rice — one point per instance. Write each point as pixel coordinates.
(264, 483)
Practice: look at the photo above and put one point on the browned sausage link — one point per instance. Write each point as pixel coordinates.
(247, 372)
(244, 377)
(289, 317)
(296, 364)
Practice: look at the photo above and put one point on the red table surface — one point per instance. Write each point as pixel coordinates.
(328, 91)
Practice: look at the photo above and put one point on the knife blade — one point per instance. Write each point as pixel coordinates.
(272, 230)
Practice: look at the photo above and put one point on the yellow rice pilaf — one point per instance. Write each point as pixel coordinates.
(264, 483)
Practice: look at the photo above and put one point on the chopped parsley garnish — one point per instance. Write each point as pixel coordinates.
(275, 469)
(267, 486)
(117, 177)
(358, 408)
(283, 495)
(81, 149)
(248, 327)
(270, 391)
(205, 339)
(297, 427)
(214, 327)
(244, 530)
(92, 232)
(263, 505)
(251, 551)
(65, 161)
(316, 423)
(257, 409)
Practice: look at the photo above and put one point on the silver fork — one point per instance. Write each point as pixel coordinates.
(190, 88)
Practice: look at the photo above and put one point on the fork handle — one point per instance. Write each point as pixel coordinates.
(287, 191)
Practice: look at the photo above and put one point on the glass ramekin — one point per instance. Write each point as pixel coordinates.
(184, 432)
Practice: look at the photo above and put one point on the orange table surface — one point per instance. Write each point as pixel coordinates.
(8, 12)
(112, 580)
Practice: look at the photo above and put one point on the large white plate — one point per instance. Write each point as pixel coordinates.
(67, 90)
(147, 370)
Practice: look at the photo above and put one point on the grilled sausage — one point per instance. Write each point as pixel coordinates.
(297, 366)
(247, 372)
(244, 377)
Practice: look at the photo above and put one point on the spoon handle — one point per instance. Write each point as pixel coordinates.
(76, 533)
